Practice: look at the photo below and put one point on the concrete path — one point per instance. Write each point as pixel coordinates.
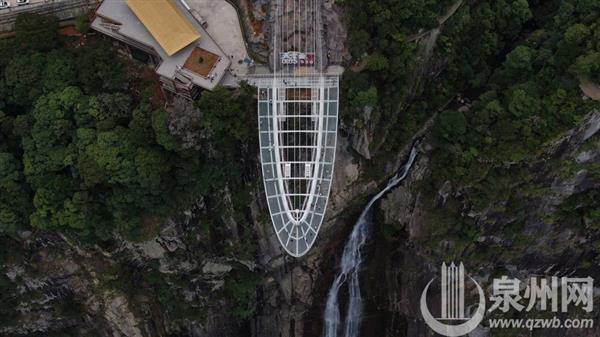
(224, 27)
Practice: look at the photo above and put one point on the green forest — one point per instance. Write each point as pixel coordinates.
(504, 54)
(85, 144)
(520, 62)
(517, 67)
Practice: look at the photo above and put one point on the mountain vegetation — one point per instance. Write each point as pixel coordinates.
(80, 153)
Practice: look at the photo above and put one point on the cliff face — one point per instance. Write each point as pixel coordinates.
(159, 287)
(175, 284)
(547, 243)
(292, 299)
(207, 272)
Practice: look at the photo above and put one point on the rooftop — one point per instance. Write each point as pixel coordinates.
(166, 23)
(117, 19)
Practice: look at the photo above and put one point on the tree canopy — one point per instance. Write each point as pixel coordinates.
(80, 152)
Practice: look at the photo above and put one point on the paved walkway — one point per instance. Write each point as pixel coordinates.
(224, 27)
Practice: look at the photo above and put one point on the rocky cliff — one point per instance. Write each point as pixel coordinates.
(546, 243)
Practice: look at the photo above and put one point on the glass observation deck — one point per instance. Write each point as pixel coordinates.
(298, 129)
(297, 118)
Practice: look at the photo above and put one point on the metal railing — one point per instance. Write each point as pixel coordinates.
(268, 81)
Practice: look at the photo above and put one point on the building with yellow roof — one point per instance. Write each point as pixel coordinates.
(166, 23)
(164, 34)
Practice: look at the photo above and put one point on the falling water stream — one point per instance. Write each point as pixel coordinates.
(350, 266)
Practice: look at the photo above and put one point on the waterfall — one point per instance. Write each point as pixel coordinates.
(350, 266)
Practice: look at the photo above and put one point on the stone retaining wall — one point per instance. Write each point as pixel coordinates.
(63, 9)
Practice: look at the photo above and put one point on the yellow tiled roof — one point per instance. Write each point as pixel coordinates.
(166, 23)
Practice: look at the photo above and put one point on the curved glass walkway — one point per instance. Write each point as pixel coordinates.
(297, 115)
(298, 129)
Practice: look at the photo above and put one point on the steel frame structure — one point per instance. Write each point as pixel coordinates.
(297, 118)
